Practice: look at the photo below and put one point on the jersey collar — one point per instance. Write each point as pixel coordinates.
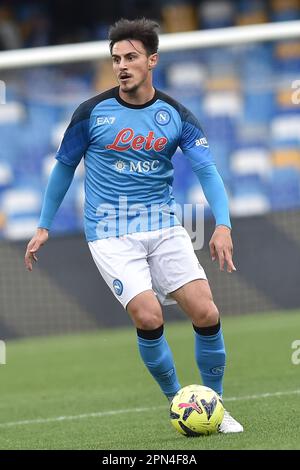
(134, 106)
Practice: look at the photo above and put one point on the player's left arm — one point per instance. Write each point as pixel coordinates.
(195, 147)
(221, 246)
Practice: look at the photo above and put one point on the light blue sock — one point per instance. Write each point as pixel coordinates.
(158, 359)
(210, 357)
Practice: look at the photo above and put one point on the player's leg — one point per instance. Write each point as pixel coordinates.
(176, 272)
(196, 301)
(146, 314)
(123, 265)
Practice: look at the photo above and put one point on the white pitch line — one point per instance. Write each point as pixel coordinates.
(263, 395)
(100, 414)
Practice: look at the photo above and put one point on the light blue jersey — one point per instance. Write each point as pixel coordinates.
(127, 152)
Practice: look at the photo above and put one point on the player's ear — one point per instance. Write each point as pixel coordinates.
(153, 59)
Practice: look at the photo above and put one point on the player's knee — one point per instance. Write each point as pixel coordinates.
(207, 314)
(148, 318)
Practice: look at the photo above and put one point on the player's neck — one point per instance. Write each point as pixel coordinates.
(139, 96)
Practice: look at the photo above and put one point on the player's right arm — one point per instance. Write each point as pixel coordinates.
(34, 245)
(72, 148)
(58, 184)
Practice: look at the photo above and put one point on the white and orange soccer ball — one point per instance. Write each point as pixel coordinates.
(196, 410)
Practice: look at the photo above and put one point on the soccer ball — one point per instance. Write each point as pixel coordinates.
(196, 410)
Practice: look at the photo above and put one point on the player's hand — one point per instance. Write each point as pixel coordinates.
(34, 245)
(221, 247)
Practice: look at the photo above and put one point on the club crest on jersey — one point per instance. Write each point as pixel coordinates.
(127, 139)
(162, 117)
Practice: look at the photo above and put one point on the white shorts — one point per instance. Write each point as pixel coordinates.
(161, 260)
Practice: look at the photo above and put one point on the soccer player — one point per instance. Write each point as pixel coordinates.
(128, 136)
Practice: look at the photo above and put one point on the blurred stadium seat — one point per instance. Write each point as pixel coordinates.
(21, 207)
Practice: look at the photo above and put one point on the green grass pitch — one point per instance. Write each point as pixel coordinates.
(91, 391)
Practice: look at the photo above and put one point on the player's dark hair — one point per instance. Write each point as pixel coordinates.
(140, 29)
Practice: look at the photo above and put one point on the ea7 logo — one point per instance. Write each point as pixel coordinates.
(105, 120)
(202, 141)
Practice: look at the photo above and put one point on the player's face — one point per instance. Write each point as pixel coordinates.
(132, 65)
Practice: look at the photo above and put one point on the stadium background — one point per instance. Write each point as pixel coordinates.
(242, 96)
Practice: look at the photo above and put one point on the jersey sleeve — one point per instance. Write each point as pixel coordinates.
(76, 138)
(59, 182)
(193, 142)
(215, 193)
